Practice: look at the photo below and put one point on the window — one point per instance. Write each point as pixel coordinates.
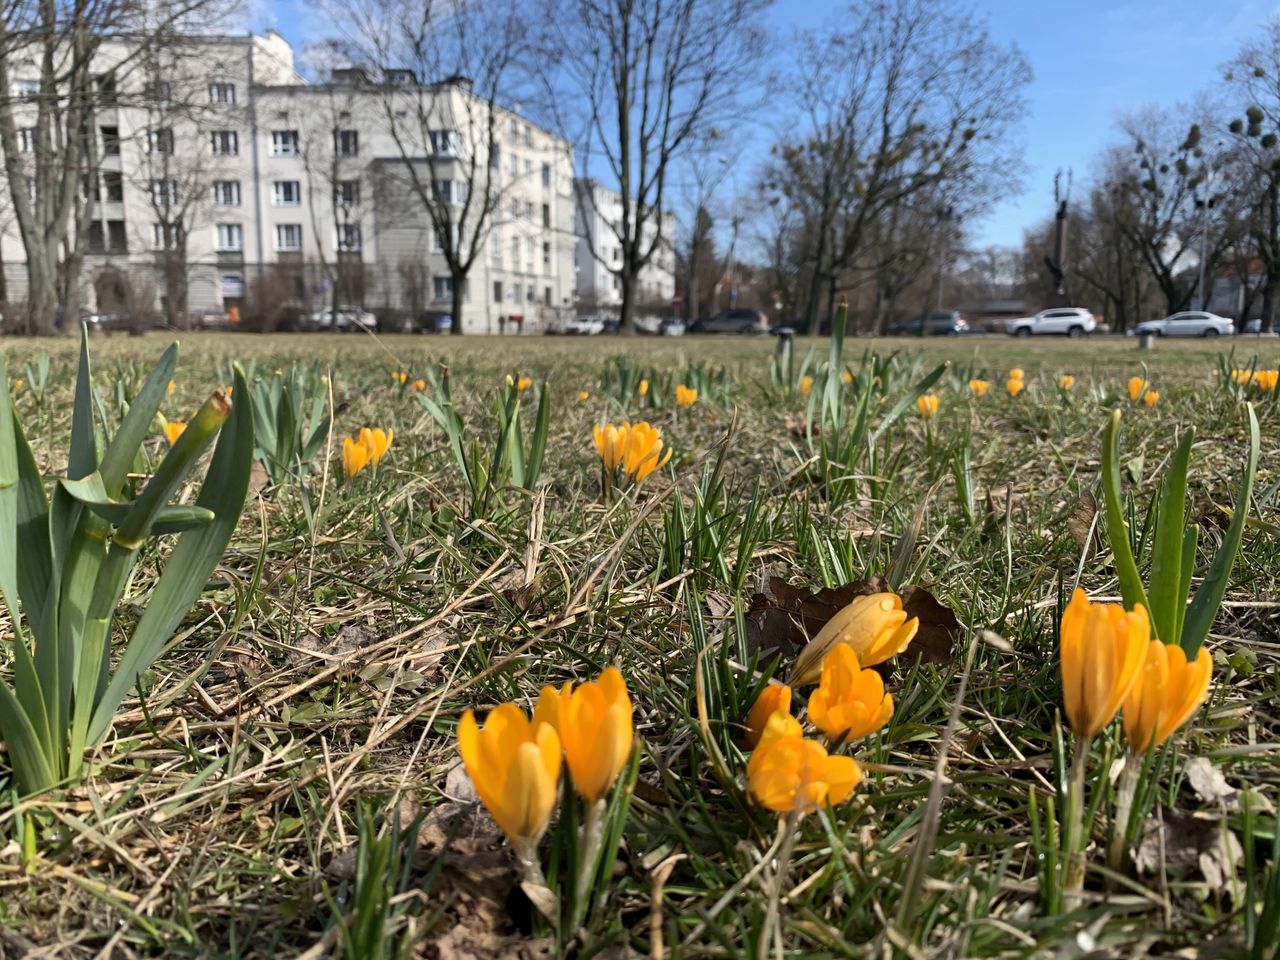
(226, 143)
(529, 296)
(113, 186)
(495, 245)
(117, 242)
(495, 157)
(348, 236)
(546, 296)
(161, 142)
(437, 242)
(546, 174)
(26, 89)
(284, 143)
(106, 84)
(286, 193)
(528, 135)
(546, 215)
(442, 288)
(229, 237)
(346, 143)
(164, 193)
(515, 130)
(166, 236)
(226, 193)
(515, 165)
(528, 253)
(348, 193)
(452, 192)
(444, 143)
(288, 236)
(222, 93)
(528, 167)
(27, 139)
(546, 254)
(515, 253)
(515, 208)
(158, 91)
(528, 210)
(31, 189)
(497, 291)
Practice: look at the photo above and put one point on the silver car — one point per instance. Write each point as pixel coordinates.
(1188, 323)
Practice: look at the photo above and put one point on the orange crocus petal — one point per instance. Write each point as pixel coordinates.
(774, 698)
(173, 430)
(875, 626)
(1102, 649)
(850, 702)
(789, 773)
(355, 456)
(595, 726)
(1169, 690)
(514, 769)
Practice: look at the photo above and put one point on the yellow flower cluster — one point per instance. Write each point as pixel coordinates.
(1264, 380)
(365, 449)
(521, 385)
(514, 762)
(635, 447)
(687, 396)
(1109, 661)
(1016, 382)
(400, 377)
(979, 388)
(788, 773)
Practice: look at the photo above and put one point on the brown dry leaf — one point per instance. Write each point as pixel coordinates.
(1208, 782)
(783, 617)
(1185, 843)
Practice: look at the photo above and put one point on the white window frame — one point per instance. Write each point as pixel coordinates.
(340, 144)
(284, 143)
(223, 234)
(225, 143)
(280, 245)
(27, 139)
(340, 191)
(221, 92)
(280, 189)
(220, 195)
(348, 247)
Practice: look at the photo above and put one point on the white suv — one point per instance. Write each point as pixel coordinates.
(1064, 321)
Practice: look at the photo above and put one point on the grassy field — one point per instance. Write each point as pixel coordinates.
(289, 784)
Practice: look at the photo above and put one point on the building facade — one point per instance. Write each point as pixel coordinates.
(227, 181)
(599, 254)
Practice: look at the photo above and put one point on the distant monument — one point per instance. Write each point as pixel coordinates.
(1057, 261)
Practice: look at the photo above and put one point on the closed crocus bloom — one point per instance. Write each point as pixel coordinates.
(686, 396)
(611, 442)
(355, 456)
(847, 376)
(1151, 398)
(850, 702)
(171, 388)
(523, 384)
(377, 441)
(547, 709)
(927, 404)
(1066, 381)
(643, 388)
(1136, 386)
(643, 453)
(806, 385)
(774, 698)
(1241, 376)
(1017, 374)
(1169, 690)
(1014, 387)
(583, 395)
(979, 388)
(789, 774)
(514, 768)
(596, 733)
(1267, 380)
(173, 430)
(1103, 648)
(419, 386)
(875, 627)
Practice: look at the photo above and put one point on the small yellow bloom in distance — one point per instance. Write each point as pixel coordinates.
(419, 385)
(173, 430)
(806, 386)
(583, 396)
(1241, 377)
(355, 457)
(523, 384)
(171, 388)
(1017, 374)
(850, 701)
(979, 388)
(774, 698)
(686, 396)
(1267, 380)
(927, 404)
(1102, 648)
(643, 388)
(514, 768)
(595, 726)
(399, 376)
(847, 376)
(1014, 387)
(788, 773)
(1066, 381)
(19, 385)
(1169, 690)
(875, 627)
(1151, 397)
(1136, 386)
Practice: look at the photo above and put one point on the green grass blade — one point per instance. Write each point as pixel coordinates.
(83, 459)
(1166, 560)
(118, 457)
(34, 769)
(1204, 605)
(1131, 589)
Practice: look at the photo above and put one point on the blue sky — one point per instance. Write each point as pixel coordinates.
(1092, 59)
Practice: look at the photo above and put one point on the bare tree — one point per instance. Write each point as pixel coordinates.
(54, 77)
(635, 83)
(454, 62)
(900, 99)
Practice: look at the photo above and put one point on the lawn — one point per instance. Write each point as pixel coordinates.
(285, 780)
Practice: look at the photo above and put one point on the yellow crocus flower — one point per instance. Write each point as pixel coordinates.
(979, 388)
(1103, 648)
(875, 627)
(774, 698)
(686, 396)
(1136, 386)
(1168, 691)
(850, 701)
(927, 404)
(789, 774)
(173, 430)
(595, 726)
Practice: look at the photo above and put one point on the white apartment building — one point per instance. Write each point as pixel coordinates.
(312, 194)
(599, 214)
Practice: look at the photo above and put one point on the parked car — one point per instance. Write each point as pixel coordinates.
(588, 326)
(1063, 321)
(342, 320)
(736, 320)
(937, 323)
(1188, 323)
(110, 322)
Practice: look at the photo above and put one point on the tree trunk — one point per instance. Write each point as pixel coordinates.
(1268, 306)
(627, 312)
(455, 301)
